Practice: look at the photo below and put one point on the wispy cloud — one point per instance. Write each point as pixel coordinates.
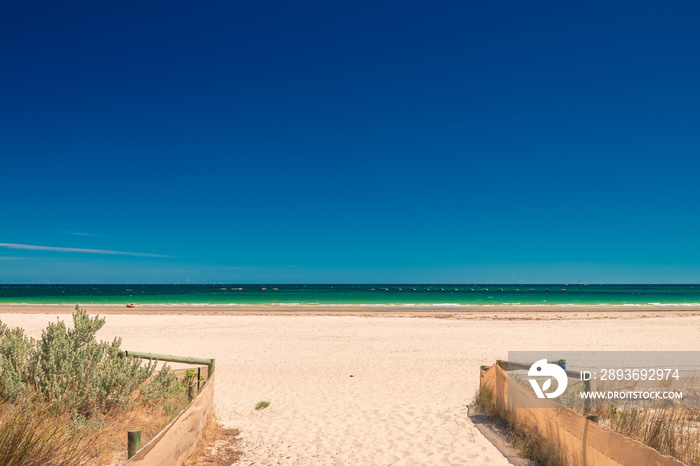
(32, 247)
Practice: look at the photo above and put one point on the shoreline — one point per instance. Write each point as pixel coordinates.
(488, 312)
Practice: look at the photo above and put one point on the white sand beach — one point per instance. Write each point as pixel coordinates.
(351, 390)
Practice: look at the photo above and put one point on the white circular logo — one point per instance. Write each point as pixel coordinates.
(542, 368)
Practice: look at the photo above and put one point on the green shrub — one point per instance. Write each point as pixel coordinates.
(164, 385)
(191, 378)
(165, 389)
(68, 375)
(262, 405)
(15, 350)
(69, 368)
(73, 371)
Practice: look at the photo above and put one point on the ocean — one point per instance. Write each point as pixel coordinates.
(399, 295)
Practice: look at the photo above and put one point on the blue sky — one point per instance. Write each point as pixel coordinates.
(297, 142)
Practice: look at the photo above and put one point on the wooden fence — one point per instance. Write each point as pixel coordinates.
(176, 442)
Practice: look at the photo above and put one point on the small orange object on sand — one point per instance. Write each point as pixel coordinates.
(131, 305)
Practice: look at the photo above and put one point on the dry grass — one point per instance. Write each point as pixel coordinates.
(69, 393)
(69, 399)
(218, 446)
(671, 431)
(109, 440)
(31, 435)
(531, 445)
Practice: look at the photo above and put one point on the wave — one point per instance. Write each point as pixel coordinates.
(367, 305)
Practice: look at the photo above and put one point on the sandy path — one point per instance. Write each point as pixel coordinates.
(411, 378)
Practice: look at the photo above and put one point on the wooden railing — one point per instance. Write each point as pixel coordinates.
(134, 436)
(170, 358)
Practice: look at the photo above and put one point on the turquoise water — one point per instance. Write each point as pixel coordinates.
(398, 295)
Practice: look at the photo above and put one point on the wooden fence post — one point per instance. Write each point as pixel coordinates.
(133, 442)
(587, 399)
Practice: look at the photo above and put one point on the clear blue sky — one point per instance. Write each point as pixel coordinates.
(327, 142)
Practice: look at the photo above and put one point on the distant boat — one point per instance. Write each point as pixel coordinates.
(131, 305)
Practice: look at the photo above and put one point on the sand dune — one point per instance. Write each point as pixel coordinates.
(348, 390)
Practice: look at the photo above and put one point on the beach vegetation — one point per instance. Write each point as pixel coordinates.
(30, 436)
(530, 444)
(68, 368)
(672, 431)
(262, 405)
(191, 378)
(71, 396)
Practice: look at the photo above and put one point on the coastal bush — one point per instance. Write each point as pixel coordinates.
(15, 350)
(69, 368)
(73, 371)
(163, 385)
(191, 378)
(67, 395)
(165, 388)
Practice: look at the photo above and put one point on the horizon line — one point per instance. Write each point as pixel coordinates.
(350, 283)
